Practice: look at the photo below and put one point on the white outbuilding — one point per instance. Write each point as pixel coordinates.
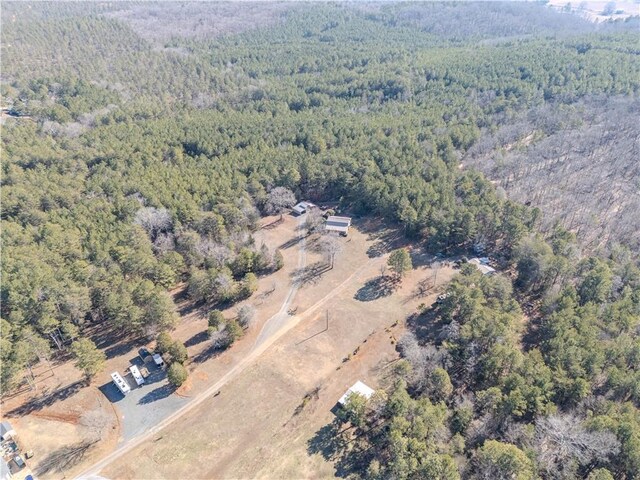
(303, 207)
(483, 265)
(338, 224)
(359, 388)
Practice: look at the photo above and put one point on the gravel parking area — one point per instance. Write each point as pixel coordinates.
(146, 405)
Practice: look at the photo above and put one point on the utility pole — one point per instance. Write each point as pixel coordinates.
(327, 325)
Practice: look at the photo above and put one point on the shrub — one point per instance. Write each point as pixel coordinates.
(177, 374)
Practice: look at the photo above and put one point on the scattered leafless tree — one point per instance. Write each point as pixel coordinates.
(314, 221)
(279, 199)
(95, 423)
(164, 242)
(423, 359)
(563, 443)
(329, 246)
(246, 315)
(153, 220)
(216, 253)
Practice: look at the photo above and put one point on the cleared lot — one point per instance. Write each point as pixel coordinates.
(266, 420)
(146, 405)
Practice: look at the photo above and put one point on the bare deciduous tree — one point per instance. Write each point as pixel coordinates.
(246, 315)
(423, 359)
(563, 443)
(279, 199)
(215, 252)
(314, 221)
(329, 246)
(153, 220)
(164, 242)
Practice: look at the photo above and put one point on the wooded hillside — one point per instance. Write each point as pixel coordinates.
(142, 160)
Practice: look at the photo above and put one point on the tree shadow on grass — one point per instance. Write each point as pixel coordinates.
(310, 274)
(385, 241)
(63, 458)
(290, 243)
(327, 442)
(157, 394)
(376, 288)
(334, 445)
(208, 353)
(196, 339)
(120, 348)
(47, 399)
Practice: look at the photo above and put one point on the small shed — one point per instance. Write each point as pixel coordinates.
(338, 224)
(303, 207)
(359, 388)
(483, 265)
(6, 431)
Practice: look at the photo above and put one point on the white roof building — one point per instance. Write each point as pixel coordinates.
(359, 388)
(483, 265)
(303, 207)
(338, 224)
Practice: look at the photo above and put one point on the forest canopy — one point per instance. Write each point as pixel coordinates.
(137, 157)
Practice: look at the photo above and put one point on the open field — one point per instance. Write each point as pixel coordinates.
(260, 425)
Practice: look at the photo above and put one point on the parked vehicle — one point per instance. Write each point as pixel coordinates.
(19, 461)
(144, 354)
(137, 376)
(121, 383)
(157, 358)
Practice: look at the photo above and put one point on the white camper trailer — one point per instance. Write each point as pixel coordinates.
(121, 383)
(137, 376)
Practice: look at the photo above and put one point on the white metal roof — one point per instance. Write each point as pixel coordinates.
(334, 220)
(359, 388)
(482, 266)
(302, 207)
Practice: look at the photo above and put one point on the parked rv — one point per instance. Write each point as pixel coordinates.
(121, 383)
(137, 376)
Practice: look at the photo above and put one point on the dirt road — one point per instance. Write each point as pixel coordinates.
(274, 328)
(275, 323)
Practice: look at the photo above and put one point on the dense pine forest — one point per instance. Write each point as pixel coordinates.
(141, 144)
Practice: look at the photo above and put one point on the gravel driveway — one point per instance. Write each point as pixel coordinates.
(145, 406)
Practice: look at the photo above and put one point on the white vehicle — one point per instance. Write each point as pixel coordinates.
(121, 383)
(137, 376)
(158, 359)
